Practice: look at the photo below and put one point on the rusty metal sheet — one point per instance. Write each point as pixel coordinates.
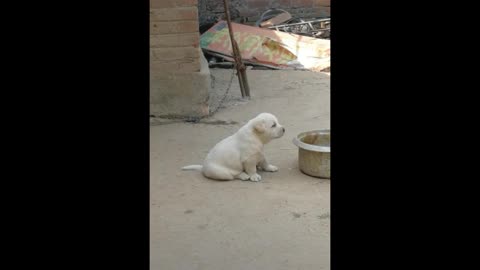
(266, 47)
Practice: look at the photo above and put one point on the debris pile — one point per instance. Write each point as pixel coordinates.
(281, 20)
(265, 47)
(277, 41)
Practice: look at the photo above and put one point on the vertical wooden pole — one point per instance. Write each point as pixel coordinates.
(241, 70)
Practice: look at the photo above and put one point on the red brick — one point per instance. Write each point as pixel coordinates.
(260, 4)
(172, 3)
(175, 27)
(284, 3)
(175, 40)
(322, 3)
(302, 3)
(245, 12)
(321, 11)
(174, 14)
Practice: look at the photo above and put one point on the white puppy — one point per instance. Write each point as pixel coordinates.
(238, 156)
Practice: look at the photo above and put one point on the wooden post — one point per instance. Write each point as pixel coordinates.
(241, 70)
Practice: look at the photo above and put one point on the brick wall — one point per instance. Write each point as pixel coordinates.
(174, 36)
(179, 74)
(251, 10)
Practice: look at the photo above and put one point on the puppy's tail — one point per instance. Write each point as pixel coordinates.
(192, 167)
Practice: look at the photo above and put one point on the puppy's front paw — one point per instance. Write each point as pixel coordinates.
(255, 178)
(271, 168)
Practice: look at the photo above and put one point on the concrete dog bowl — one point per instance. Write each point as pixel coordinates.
(314, 152)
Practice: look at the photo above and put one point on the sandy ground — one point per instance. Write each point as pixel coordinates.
(281, 222)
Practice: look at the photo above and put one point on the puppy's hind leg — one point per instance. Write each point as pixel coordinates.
(217, 173)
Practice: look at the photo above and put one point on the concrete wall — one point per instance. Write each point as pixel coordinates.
(251, 10)
(179, 74)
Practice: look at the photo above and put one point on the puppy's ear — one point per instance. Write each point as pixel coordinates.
(260, 126)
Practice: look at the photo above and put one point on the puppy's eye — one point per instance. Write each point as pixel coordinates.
(274, 124)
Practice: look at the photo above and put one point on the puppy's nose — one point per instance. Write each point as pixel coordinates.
(283, 129)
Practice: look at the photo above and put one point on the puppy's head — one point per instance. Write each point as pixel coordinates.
(266, 126)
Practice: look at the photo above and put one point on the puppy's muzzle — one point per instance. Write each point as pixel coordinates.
(280, 134)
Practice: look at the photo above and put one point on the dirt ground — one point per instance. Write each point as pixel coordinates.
(281, 222)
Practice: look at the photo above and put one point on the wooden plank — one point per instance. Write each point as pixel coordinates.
(173, 27)
(175, 40)
(174, 14)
